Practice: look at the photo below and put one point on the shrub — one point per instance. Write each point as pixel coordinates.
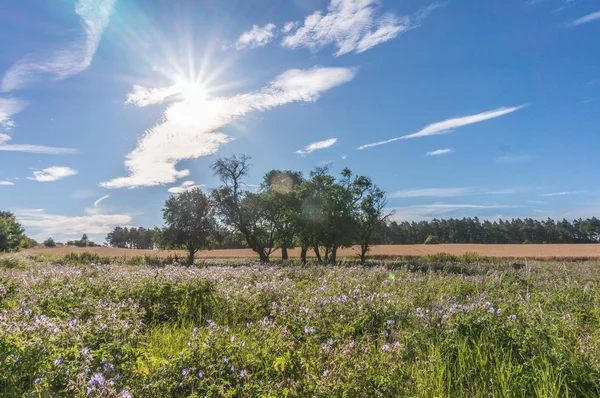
(432, 240)
(49, 243)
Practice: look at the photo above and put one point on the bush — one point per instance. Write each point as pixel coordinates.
(432, 240)
(49, 243)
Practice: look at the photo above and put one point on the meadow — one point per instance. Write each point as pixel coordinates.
(436, 326)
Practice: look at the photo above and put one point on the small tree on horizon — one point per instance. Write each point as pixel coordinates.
(49, 243)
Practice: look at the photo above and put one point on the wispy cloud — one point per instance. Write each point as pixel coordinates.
(47, 150)
(351, 26)
(7, 183)
(448, 125)
(595, 16)
(563, 193)
(448, 192)
(8, 108)
(96, 203)
(514, 159)
(190, 126)
(258, 36)
(438, 152)
(64, 62)
(428, 212)
(44, 224)
(310, 148)
(185, 186)
(53, 173)
(289, 26)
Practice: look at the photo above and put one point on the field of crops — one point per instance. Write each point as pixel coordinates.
(551, 251)
(412, 329)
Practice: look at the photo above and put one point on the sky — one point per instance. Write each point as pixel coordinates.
(454, 108)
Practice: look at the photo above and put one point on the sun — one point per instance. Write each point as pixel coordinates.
(193, 92)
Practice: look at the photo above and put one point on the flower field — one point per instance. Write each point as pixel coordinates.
(402, 329)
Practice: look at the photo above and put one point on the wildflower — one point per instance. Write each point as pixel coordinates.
(499, 312)
(232, 339)
(97, 380)
(323, 346)
(37, 381)
(326, 373)
(266, 321)
(189, 343)
(185, 372)
(309, 330)
(232, 368)
(58, 361)
(390, 322)
(125, 394)
(243, 373)
(225, 359)
(513, 317)
(385, 347)
(200, 374)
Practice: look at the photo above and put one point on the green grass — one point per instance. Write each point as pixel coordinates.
(440, 326)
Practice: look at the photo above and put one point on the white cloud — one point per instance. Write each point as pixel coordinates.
(439, 152)
(564, 193)
(53, 173)
(310, 148)
(351, 26)
(143, 96)
(189, 128)
(96, 203)
(45, 224)
(48, 150)
(514, 159)
(8, 108)
(289, 26)
(74, 58)
(185, 186)
(258, 36)
(448, 125)
(7, 183)
(441, 210)
(595, 16)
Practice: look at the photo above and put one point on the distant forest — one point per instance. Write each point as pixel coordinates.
(466, 230)
(472, 230)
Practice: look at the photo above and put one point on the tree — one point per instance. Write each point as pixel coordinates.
(190, 222)
(12, 234)
(249, 214)
(281, 192)
(370, 216)
(49, 243)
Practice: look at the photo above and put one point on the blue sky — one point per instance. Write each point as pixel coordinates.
(455, 108)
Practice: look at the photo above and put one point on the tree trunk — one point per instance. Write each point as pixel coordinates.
(303, 251)
(316, 249)
(191, 253)
(364, 248)
(326, 256)
(284, 252)
(264, 257)
(333, 255)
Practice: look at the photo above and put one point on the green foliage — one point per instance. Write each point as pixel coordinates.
(12, 236)
(49, 243)
(190, 221)
(433, 329)
(432, 240)
(132, 238)
(11, 262)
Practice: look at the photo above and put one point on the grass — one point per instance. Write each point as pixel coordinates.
(437, 326)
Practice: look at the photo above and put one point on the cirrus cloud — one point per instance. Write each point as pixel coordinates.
(310, 148)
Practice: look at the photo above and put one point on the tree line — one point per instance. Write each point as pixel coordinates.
(472, 230)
